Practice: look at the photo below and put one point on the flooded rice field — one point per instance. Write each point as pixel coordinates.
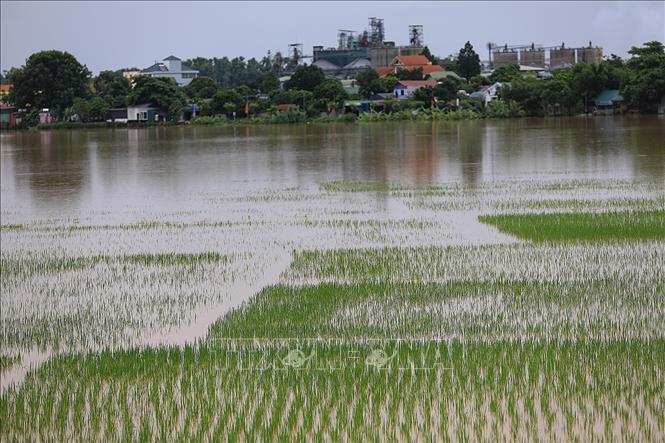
(493, 280)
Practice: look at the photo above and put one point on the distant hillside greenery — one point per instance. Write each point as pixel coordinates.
(230, 89)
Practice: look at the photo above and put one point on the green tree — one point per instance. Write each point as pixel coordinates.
(160, 91)
(49, 79)
(369, 83)
(98, 108)
(291, 96)
(506, 73)
(93, 109)
(450, 64)
(424, 95)
(230, 107)
(306, 78)
(526, 92)
(79, 109)
(221, 100)
(227, 72)
(267, 82)
(469, 61)
(330, 91)
(201, 87)
(446, 89)
(644, 84)
(557, 92)
(389, 82)
(588, 81)
(477, 81)
(426, 52)
(112, 87)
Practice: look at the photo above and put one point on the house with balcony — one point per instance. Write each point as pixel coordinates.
(172, 67)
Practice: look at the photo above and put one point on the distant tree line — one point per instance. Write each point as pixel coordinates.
(238, 87)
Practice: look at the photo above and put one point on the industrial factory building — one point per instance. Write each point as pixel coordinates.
(357, 51)
(536, 56)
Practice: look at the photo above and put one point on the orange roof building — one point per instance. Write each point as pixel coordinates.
(411, 60)
(409, 63)
(5, 88)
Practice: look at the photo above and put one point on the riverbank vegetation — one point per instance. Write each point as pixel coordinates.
(251, 91)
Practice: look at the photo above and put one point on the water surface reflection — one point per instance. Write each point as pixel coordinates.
(107, 169)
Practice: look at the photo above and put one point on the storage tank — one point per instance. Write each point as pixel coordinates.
(590, 55)
(562, 58)
(534, 58)
(504, 58)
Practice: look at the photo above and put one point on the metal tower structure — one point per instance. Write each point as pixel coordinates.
(295, 53)
(416, 35)
(490, 46)
(346, 39)
(295, 57)
(376, 32)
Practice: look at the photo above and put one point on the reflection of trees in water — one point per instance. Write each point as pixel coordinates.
(57, 166)
(471, 140)
(54, 165)
(648, 148)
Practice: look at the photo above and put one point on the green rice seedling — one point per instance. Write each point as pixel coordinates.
(631, 262)
(401, 316)
(358, 186)
(7, 361)
(425, 389)
(591, 227)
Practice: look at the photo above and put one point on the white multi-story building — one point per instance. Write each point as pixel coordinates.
(172, 67)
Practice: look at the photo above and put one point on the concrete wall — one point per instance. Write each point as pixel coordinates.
(384, 55)
(173, 65)
(560, 58)
(501, 58)
(590, 55)
(533, 58)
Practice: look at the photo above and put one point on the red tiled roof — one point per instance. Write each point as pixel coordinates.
(427, 69)
(432, 68)
(6, 87)
(419, 83)
(386, 70)
(413, 60)
(285, 106)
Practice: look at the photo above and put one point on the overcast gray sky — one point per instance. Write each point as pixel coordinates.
(113, 35)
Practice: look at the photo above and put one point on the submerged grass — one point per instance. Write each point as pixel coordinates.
(467, 312)
(549, 341)
(590, 227)
(358, 186)
(346, 392)
(7, 361)
(104, 301)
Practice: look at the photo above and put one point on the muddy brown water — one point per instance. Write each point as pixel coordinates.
(110, 170)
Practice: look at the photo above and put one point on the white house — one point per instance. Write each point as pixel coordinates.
(172, 67)
(488, 93)
(145, 112)
(405, 88)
